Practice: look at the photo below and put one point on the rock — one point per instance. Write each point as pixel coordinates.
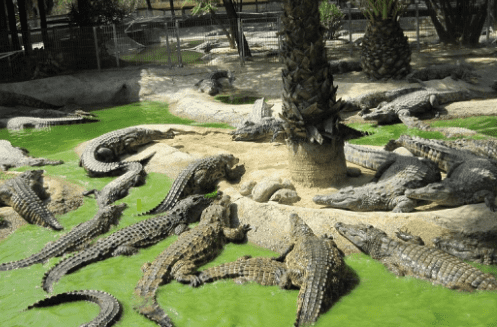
(265, 188)
(247, 187)
(285, 196)
(403, 151)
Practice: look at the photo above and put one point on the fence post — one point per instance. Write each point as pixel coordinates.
(488, 22)
(167, 47)
(116, 49)
(96, 46)
(180, 62)
(350, 28)
(240, 42)
(280, 42)
(417, 25)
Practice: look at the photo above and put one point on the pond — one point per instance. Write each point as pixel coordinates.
(379, 299)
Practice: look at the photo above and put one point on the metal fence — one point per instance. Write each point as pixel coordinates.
(162, 41)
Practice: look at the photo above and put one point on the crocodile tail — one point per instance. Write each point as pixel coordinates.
(35, 258)
(174, 193)
(68, 265)
(151, 309)
(310, 300)
(110, 308)
(366, 157)
(30, 207)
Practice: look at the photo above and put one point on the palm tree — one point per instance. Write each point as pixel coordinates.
(385, 51)
(315, 138)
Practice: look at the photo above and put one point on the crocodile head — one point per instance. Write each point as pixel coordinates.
(346, 198)
(436, 192)
(112, 213)
(218, 211)
(298, 227)
(229, 159)
(155, 134)
(361, 235)
(249, 132)
(382, 116)
(195, 204)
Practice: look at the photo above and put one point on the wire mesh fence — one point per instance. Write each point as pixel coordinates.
(160, 40)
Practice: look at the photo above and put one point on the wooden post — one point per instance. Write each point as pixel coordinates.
(168, 48)
(417, 25)
(180, 61)
(116, 52)
(96, 46)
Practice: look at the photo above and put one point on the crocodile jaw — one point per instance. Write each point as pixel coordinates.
(436, 192)
(357, 234)
(381, 116)
(155, 134)
(343, 199)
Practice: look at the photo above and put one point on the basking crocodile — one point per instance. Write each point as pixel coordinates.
(13, 157)
(373, 99)
(18, 123)
(211, 84)
(483, 148)
(252, 131)
(470, 178)
(117, 189)
(199, 176)
(101, 155)
(181, 259)
(408, 107)
(416, 260)
(342, 66)
(110, 308)
(126, 241)
(11, 99)
(76, 239)
(264, 271)
(394, 176)
(316, 266)
(479, 247)
(468, 182)
(24, 194)
(462, 71)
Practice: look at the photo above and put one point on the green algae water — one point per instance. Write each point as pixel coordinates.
(379, 299)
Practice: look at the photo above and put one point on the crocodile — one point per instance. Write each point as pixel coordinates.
(484, 148)
(412, 258)
(117, 189)
(373, 99)
(110, 308)
(461, 71)
(13, 157)
(211, 84)
(75, 240)
(470, 179)
(19, 123)
(181, 259)
(126, 241)
(315, 265)
(199, 176)
(252, 131)
(11, 99)
(408, 107)
(101, 155)
(342, 66)
(468, 182)
(394, 176)
(24, 194)
(435, 150)
(262, 270)
(479, 247)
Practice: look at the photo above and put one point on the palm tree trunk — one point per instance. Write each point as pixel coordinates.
(12, 25)
(43, 24)
(26, 35)
(310, 108)
(4, 29)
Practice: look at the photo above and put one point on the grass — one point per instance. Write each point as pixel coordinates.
(486, 126)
